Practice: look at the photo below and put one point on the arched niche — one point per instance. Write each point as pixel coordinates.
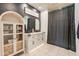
(12, 17)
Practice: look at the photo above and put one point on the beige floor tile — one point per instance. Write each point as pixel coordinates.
(51, 50)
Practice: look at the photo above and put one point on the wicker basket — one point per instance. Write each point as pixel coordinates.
(19, 45)
(8, 50)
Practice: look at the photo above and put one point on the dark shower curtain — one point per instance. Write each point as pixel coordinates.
(71, 33)
(61, 28)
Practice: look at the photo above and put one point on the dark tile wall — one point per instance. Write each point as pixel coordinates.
(17, 7)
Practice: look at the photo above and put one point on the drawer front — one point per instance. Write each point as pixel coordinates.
(31, 44)
(34, 41)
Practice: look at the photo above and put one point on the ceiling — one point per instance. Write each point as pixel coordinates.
(49, 6)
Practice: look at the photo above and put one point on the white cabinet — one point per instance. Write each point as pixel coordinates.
(12, 38)
(33, 40)
(11, 34)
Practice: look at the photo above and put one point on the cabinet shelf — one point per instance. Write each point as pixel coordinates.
(8, 30)
(8, 34)
(19, 41)
(8, 44)
(19, 33)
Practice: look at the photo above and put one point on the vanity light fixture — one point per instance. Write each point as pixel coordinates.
(24, 5)
(35, 10)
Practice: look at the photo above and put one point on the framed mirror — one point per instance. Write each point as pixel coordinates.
(37, 25)
(26, 21)
(32, 24)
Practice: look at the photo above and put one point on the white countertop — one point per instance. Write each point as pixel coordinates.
(33, 33)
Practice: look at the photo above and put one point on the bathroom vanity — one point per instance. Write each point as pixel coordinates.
(33, 41)
(33, 35)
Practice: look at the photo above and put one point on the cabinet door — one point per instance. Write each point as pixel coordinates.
(19, 37)
(31, 43)
(37, 40)
(8, 39)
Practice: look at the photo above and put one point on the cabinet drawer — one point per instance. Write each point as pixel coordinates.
(31, 44)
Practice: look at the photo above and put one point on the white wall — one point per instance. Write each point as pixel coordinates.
(44, 23)
(76, 24)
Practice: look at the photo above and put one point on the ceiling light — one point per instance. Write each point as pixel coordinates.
(40, 8)
(34, 10)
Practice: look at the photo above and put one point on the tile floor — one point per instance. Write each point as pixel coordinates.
(51, 50)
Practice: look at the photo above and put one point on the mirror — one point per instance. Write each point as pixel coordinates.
(26, 21)
(37, 24)
(31, 24)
